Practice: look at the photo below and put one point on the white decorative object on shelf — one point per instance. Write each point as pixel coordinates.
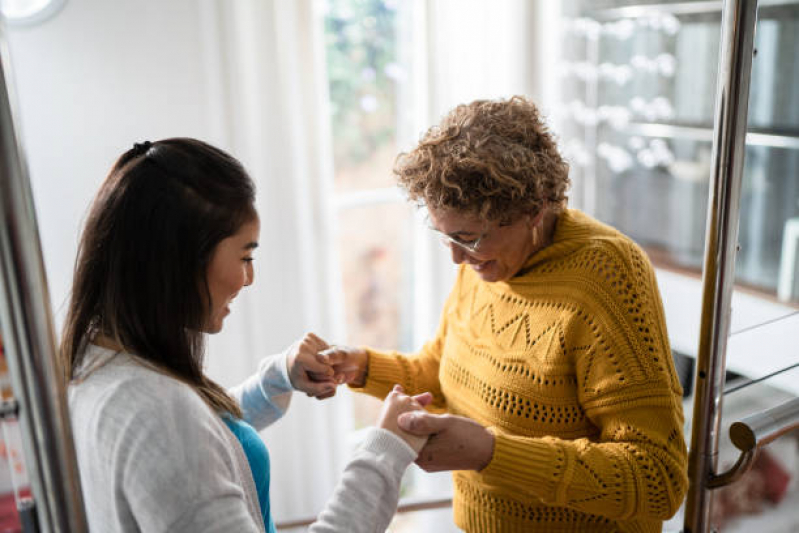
(583, 26)
(620, 74)
(636, 143)
(659, 108)
(574, 151)
(664, 64)
(580, 69)
(621, 29)
(665, 22)
(617, 116)
(617, 158)
(657, 154)
(581, 114)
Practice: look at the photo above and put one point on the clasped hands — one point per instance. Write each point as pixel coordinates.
(443, 442)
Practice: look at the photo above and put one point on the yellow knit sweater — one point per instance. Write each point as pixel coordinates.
(569, 365)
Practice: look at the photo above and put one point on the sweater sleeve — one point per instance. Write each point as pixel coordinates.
(365, 498)
(417, 373)
(636, 465)
(265, 396)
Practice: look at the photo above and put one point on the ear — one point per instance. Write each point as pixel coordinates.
(540, 216)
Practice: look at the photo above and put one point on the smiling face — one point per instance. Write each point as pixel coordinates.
(229, 271)
(502, 250)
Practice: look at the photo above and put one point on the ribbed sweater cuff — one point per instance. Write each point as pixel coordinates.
(531, 463)
(385, 371)
(389, 448)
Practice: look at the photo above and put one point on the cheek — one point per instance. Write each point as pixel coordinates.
(237, 279)
(224, 284)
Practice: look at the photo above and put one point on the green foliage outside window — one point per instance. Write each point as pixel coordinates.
(360, 38)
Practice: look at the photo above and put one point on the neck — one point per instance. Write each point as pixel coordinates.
(546, 231)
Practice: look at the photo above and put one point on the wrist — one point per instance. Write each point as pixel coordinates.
(360, 380)
(486, 450)
(289, 355)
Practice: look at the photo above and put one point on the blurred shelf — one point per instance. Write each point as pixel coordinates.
(670, 131)
(676, 8)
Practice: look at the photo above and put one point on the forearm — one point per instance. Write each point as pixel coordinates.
(365, 498)
(265, 396)
(639, 474)
(416, 373)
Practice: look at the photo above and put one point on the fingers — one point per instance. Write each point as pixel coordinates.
(332, 355)
(321, 376)
(424, 399)
(320, 390)
(307, 351)
(326, 395)
(422, 422)
(316, 370)
(315, 341)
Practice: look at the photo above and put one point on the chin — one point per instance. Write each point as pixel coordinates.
(492, 275)
(489, 275)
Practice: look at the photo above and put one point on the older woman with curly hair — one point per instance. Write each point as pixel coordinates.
(551, 365)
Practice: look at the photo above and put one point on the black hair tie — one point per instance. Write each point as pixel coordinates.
(141, 148)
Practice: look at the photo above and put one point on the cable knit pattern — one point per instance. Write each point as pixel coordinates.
(569, 365)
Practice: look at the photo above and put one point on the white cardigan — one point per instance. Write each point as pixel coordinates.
(153, 457)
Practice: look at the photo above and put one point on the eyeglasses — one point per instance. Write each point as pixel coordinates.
(471, 246)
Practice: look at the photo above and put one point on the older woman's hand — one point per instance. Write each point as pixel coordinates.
(456, 442)
(397, 403)
(350, 364)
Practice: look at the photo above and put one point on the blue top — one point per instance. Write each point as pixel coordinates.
(258, 457)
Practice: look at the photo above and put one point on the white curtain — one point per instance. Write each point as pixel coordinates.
(274, 106)
(247, 76)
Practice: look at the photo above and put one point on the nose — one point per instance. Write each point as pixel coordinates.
(458, 254)
(249, 275)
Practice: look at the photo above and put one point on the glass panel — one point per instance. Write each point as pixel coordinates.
(637, 121)
(363, 71)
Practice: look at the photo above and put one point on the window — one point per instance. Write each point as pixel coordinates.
(380, 235)
(372, 218)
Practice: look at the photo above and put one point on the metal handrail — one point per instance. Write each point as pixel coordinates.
(753, 433)
(28, 336)
(760, 429)
(738, 22)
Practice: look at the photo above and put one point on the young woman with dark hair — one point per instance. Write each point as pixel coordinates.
(166, 248)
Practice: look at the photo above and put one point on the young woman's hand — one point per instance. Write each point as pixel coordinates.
(308, 372)
(396, 403)
(350, 364)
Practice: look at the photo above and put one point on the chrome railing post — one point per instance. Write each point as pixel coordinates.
(732, 101)
(28, 335)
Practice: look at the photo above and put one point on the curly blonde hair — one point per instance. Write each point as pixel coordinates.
(494, 159)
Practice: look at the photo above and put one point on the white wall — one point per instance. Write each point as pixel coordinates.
(90, 82)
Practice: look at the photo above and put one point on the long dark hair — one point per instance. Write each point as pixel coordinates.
(140, 275)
